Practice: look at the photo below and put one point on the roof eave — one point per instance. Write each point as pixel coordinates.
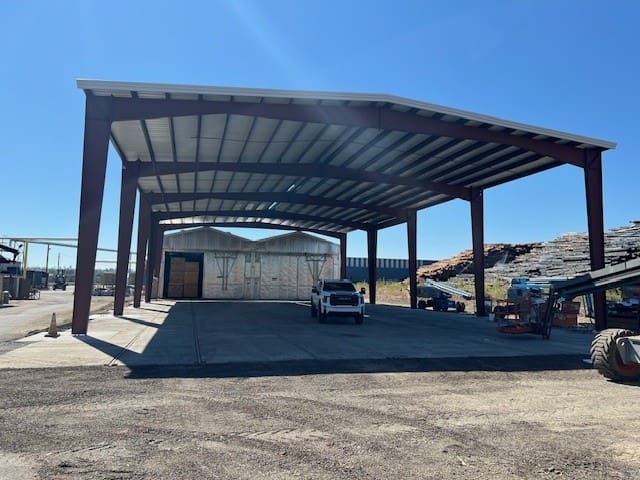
(90, 85)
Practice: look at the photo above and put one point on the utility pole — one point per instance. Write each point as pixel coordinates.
(46, 268)
(25, 255)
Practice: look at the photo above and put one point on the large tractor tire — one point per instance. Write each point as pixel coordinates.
(606, 358)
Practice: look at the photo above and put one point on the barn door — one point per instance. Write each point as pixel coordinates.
(252, 270)
(315, 262)
(225, 262)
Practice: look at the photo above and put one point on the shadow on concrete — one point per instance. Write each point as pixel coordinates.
(149, 309)
(243, 339)
(107, 348)
(228, 339)
(140, 321)
(325, 367)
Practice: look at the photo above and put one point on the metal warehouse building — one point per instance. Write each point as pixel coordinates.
(211, 264)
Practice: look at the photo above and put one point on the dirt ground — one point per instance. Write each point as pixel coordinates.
(463, 421)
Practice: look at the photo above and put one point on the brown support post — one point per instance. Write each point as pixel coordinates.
(412, 224)
(127, 208)
(372, 250)
(595, 221)
(144, 214)
(158, 254)
(343, 255)
(150, 260)
(477, 234)
(97, 128)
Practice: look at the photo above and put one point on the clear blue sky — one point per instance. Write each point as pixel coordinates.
(566, 65)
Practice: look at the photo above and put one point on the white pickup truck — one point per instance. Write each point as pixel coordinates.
(337, 298)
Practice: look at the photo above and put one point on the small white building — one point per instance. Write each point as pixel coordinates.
(210, 264)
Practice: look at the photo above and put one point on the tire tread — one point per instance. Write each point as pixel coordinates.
(605, 357)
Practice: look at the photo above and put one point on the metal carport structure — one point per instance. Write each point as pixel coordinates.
(327, 163)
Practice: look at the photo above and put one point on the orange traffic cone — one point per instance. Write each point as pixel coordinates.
(53, 327)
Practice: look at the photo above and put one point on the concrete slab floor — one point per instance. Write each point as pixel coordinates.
(165, 333)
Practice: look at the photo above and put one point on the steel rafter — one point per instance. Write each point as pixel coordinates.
(278, 197)
(305, 170)
(367, 117)
(263, 225)
(273, 214)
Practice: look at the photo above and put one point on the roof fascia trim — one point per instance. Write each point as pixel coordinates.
(126, 87)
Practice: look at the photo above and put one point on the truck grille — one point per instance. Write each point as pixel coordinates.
(351, 300)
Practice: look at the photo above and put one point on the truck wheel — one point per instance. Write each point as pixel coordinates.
(314, 310)
(606, 358)
(422, 304)
(322, 316)
(359, 318)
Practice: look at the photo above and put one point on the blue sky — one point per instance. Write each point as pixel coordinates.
(566, 65)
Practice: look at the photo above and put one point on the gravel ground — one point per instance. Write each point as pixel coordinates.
(194, 423)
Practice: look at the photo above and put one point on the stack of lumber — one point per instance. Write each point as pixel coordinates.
(565, 256)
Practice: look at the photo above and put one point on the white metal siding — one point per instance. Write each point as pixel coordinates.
(277, 268)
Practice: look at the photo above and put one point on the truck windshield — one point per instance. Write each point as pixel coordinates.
(339, 287)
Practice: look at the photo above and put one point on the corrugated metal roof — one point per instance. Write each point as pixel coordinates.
(237, 164)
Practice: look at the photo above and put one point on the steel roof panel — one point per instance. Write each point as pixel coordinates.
(232, 138)
(334, 97)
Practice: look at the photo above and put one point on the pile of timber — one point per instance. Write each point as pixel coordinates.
(495, 254)
(565, 256)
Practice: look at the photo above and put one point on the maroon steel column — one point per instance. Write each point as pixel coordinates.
(127, 207)
(477, 234)
(343, 255)
(153, 237)
(372, 250)
(158, 254)
(144, 214)
(412, 240)
(595, 221)
(97, 127)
